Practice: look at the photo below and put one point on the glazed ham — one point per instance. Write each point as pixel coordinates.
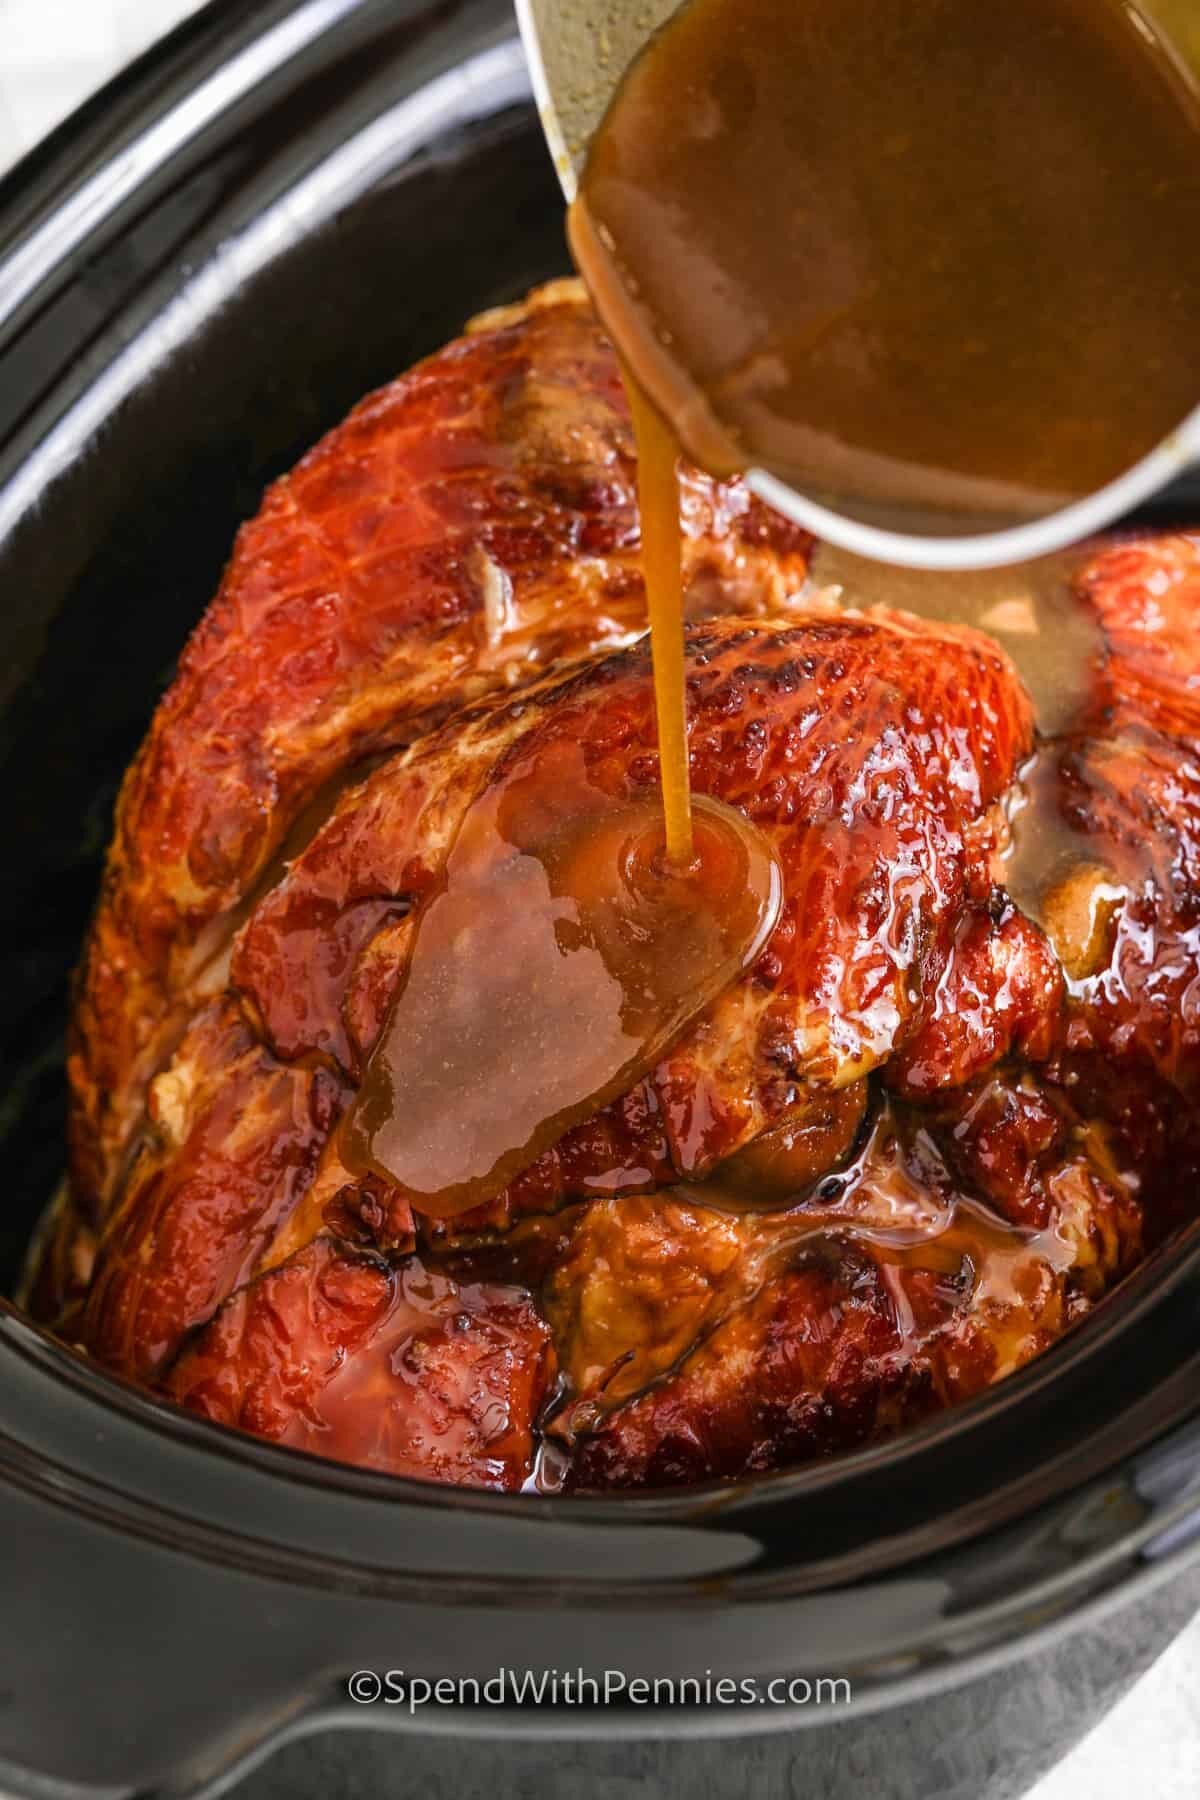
(900, 1155)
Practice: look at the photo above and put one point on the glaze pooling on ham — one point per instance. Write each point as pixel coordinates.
(898, 1156)
(562, 955)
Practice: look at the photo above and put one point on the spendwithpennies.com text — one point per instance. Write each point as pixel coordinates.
(573, 1687)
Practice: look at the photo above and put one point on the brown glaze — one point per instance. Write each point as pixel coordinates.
(701, 1344)
(1054, 640)
(563, 955)
(407, 1370)
(662, 547)
(934, 264)
(779, 1165)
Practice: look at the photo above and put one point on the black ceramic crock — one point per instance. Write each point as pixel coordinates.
(281, 206)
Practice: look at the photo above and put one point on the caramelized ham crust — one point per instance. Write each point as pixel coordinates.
(900, 1156)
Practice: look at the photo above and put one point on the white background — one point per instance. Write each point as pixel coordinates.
(53, 53)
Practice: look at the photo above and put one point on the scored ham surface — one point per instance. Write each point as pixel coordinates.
(958, 1127)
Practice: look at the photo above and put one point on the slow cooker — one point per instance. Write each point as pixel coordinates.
(275, 210)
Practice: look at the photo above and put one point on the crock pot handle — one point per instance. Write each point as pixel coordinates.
(128, 1665)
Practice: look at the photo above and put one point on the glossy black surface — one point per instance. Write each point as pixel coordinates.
(275, 211)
